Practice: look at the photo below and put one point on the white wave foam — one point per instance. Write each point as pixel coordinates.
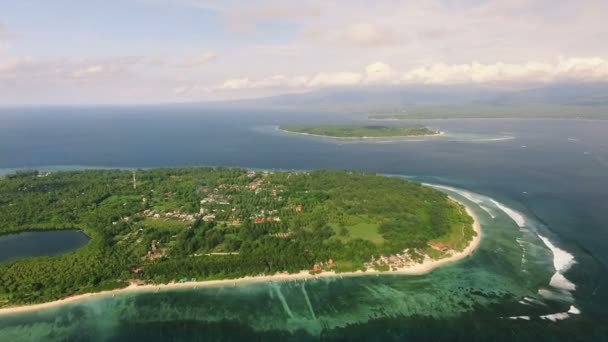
(477, 199)
(556, 316)
(495, 139)
(562, 261)
(560, 282)
(521, 243)
(484, 208)
(527, 318)
(573, 310)
(534, 301)
(516, 216)
(559, 295)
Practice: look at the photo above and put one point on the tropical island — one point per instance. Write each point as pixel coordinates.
(490, 111)
(194, 225)
(361, 131)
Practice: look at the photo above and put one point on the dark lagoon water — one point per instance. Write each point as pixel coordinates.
(540, 188)
(40, 243)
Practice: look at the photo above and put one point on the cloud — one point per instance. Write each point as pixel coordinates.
(564, 69)
(379, 73)
(362, 35)
(62, 70)
(236, 83)
(313, 44)
(334, 79)
(197, 61)
(94, 69)
(366, 34)
(374, 73)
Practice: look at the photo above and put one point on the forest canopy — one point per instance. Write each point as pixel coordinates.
(163, 225)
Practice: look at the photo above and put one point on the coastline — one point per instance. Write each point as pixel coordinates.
(278, 128)
(418, 269)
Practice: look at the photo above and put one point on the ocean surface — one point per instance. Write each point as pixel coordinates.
(540, 188)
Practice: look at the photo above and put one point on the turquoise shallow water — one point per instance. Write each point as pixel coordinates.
(553, 172)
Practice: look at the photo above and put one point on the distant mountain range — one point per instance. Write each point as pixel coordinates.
(557, 100)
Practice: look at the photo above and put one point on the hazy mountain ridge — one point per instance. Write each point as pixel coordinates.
(585, 100)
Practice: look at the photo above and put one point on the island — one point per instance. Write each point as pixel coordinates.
(171, 227)
(361, 131)
(490, 111)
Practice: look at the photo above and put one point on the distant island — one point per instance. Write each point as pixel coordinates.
(197, 226)
(361, 131)
(486, 111)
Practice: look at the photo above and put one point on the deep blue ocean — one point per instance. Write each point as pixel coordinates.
(530, 180)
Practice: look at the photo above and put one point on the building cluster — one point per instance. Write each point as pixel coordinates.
(154, 252)
(393, 261)
(320, 266)
(170, 214)
(214, 198)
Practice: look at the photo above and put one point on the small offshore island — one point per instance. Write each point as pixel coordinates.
(362, 132)
(163, 228)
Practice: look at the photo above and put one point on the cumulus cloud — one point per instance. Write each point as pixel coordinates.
(379, 73)
(236, 83)
(375, 73)
(564, 69)
(334, 79)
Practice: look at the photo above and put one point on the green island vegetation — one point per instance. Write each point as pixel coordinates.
(182, 224)
(481, 111)
(357, 131)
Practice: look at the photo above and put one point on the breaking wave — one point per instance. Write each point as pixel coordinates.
(562, 260)
(477, 199)
(562, 315)
(516, 216)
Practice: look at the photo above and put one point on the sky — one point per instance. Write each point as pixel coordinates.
(160, 51)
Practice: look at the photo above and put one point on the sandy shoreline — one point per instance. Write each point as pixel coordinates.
(404, 137)
(416, 269)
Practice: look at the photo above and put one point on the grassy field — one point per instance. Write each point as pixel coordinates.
(361, 230)
(164, 223)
